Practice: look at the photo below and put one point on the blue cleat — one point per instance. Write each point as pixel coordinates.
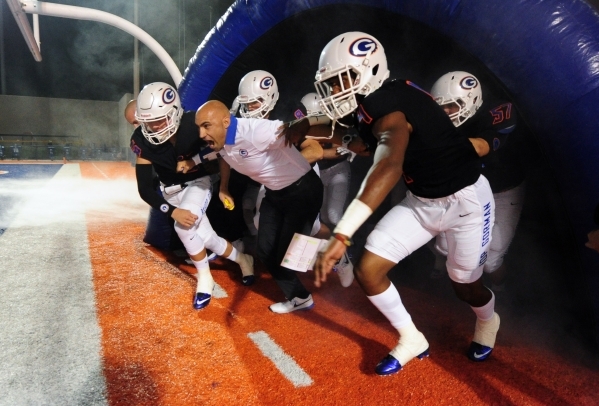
(485, 333)
(201, 300)
(248, 280)
(390, 365)
(478, 352)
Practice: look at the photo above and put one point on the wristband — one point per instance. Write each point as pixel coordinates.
(167, 208)
(342, 238)
(196, 159)
(355, 215)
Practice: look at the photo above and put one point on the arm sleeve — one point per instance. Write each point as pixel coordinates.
(146, 190)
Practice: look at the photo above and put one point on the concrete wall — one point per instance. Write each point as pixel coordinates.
(98, 127)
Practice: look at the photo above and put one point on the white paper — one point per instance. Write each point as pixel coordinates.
(302, 252)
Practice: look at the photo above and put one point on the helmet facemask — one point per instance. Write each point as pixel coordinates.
(460, 112)
(461, 93)
(172, 118)
(343, 103)
(158, 102)
(260, 112)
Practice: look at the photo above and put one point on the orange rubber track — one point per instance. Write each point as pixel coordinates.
(158, 350)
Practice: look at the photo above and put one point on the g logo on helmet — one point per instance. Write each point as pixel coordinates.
(362, 46)
(266, 83)
(168, 96)
(469, 82)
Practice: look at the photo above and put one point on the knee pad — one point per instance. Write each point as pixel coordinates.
(213, 242)
(193, 244)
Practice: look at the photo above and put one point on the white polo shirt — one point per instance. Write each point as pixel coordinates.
(253, 148)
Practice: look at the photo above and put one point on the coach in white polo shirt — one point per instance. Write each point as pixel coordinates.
(294, 191)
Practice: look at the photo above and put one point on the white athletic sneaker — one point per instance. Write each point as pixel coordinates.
(345, 270)
(292, 305)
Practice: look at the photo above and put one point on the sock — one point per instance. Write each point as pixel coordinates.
(244, 260)
(233, 256)
(485, 312)
(389, 303)
(205, 281)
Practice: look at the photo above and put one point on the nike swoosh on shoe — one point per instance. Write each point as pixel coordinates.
(478, 356)
(203, 300)
(299, 304)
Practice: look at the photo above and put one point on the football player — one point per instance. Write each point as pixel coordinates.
(416, 140)
(166, 136)
(494, 122)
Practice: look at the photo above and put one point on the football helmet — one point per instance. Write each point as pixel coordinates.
(461, 89)
(354, 55)
(257, 86)
(158, 103)
(312, 105)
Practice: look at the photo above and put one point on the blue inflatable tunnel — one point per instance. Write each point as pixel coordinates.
(543, 54)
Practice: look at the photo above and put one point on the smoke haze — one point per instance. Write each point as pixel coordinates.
(56, 200)
(94, 61)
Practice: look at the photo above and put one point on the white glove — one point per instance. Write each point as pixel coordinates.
(345, 151)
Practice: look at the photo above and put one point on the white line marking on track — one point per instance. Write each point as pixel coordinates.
(99, 170)
(284, 363)
(219, 292)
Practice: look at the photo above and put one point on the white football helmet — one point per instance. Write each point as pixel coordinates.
(158, 102)
(354, 55)
(461, 89)
(312, 105)
(257, 86)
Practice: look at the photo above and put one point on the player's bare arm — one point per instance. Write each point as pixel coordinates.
(225, 174)
(331, 153)
(480, 145)
(393, 133)
(311, 150)
(185, 166)
(142, 161)
(593, 241)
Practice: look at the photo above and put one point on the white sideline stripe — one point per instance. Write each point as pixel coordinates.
(284, 363)
(100, 170)
(50, 352)
(219, 292)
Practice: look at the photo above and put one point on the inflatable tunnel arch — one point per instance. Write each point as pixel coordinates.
(545, 54)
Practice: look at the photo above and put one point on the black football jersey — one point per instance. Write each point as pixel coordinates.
(164, 157)
(438, 161)
(497, 122)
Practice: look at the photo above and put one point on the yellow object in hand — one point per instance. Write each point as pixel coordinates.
(228, 205)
